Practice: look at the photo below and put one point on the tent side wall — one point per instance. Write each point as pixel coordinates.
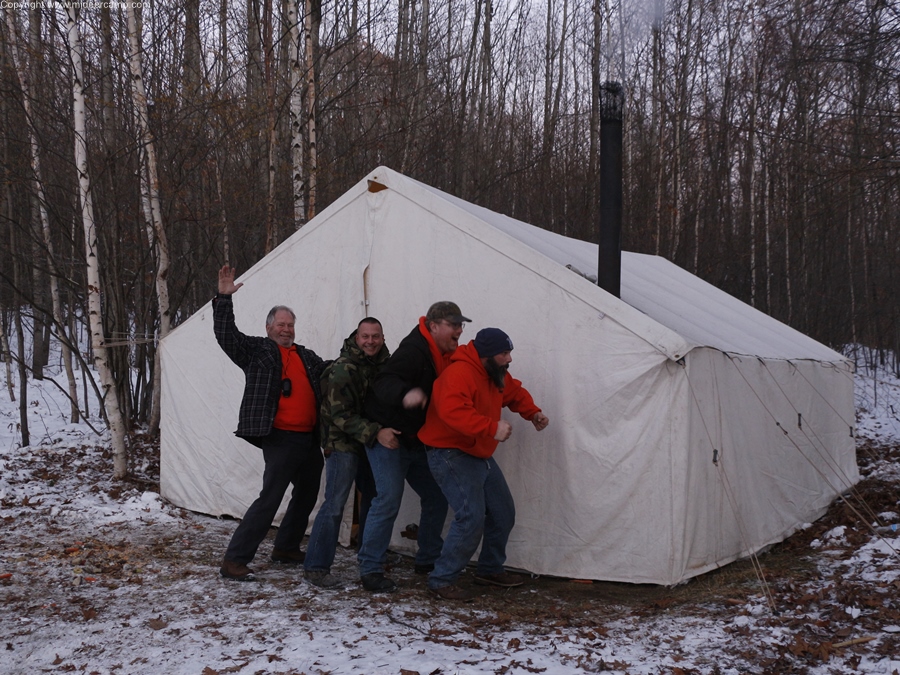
(204, 467)
(771, 447)
(602, 503)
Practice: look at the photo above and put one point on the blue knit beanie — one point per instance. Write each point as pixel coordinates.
(492, 341)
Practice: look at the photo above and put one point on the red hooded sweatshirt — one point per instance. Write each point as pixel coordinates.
(465, 405)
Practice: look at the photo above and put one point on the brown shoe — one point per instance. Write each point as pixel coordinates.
(288, 557)
(504, 579)
(453, 592)
(236, 571)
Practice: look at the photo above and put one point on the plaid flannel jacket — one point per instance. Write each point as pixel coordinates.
(260, 359)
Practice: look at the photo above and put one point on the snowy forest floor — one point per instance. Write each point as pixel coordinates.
(99, 576)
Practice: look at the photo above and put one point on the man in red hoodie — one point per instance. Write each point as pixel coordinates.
(461, 432)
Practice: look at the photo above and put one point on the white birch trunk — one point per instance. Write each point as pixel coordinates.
(311, 107)
(156, 233)
(271, 123)
(25, 83)
(98, 342)
(7, 360)
(297, 174)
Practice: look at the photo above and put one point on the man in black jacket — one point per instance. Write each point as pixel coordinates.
(398, 400)
(279, 415)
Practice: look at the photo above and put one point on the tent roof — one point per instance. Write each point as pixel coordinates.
(700, 313)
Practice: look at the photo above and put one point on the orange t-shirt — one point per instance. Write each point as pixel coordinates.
(296, 412)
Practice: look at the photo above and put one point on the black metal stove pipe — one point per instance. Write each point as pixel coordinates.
(609, 263)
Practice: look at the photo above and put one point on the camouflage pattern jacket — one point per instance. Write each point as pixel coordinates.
(345, 383)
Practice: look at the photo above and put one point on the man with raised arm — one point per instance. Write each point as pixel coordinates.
(279, 415)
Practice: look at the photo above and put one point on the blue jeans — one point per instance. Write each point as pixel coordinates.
(391, 468)
(482, 506)
(342, 469)
(291, 459)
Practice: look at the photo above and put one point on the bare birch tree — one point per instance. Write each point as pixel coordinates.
(156, 232)
(98, 340)
(312, 21)
(296, 53)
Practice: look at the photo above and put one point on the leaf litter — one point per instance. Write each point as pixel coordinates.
(104, 577)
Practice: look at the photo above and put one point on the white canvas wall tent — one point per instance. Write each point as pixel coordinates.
(687, 428)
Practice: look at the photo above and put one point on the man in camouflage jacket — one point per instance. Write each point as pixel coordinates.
(345, 433)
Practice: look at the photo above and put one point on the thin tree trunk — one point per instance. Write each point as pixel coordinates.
(25, 82)
(311, 37)
(6, 210)
(485, 80)
(156, 232)
(222, 74)
(268, 57)
(98, 341)
(226, 244)
(40, 337)
(419, 91)
(853, 329)
(23, 376)
(255, 84)
(7, 358)
(656, 125)
(298, 187)
(467, 89)
(223, 71)
(594, 151)
(751, 191)
(193, 62)
(18, 301)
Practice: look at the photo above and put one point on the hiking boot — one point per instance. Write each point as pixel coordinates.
(453, 592)
(504, 579)
(322, 579)
(236, 571)
(377, 583)
(424, 569)
(287, 557)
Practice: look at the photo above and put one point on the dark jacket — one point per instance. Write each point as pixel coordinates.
(409, 367)
(345, 383)
(260, 359)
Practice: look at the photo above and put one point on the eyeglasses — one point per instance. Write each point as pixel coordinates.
(455, 326)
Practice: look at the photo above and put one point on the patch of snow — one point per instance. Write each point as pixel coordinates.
(108, 578)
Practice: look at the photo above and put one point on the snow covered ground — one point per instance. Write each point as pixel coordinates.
(104, 577)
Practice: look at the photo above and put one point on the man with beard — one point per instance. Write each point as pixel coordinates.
(461, 432)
